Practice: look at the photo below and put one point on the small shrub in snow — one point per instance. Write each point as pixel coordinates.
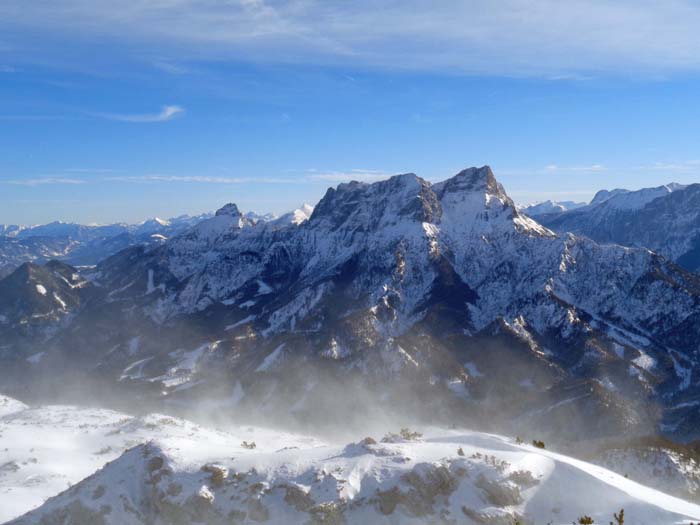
(327, 514)
(619, 518)
(249, 446)
(405, 434)
(523, 478)
(538, 444)
(410, 435)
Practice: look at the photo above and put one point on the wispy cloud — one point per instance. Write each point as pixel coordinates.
(557, 169)
(39, 117)
(671, 167)
(199, 179)
(89, 170)
(310, 175)
(346, 176)
(548, 38)
(592, 168)
(166, 113)
(170, 67)
(44, 180)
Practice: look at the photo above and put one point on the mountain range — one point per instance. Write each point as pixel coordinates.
(665, 219)
(441, 299)
(80, 244)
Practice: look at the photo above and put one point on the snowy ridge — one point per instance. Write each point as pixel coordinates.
(664, 219)
(171, 471)
(550, 207)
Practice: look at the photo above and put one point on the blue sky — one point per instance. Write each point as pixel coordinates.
(115, 112)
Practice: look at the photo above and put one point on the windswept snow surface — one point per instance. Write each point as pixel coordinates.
(10, 406)
(160, 466)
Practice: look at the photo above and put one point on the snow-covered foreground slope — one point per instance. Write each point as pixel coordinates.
(10, 406)
(45, 450)
(168, 470)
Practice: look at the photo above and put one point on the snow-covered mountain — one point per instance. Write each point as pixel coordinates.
(546, 207)
(104, 467)
(257, 217)
(420, 292)
(80, 244)
(665, 219)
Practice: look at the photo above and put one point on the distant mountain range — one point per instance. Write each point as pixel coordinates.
(542, 208)
(439, 297)
(665, 219)
(82, 245)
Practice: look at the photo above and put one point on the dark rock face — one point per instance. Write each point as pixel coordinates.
(364, 207)
(228, 209)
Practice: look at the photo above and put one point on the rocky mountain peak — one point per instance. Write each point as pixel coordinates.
(471, 180)
(603, 195)
(229, 209)
(369, 206)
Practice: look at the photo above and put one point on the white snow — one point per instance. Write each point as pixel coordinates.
(9, 406)
(44, 450)
(186, 365)
(645, 361)
(472, 370)
(264, 288)
(134, 370)
(638, 199)
(40, 289)
(60, 301)
(239, 323)
(35, 358)
(271, 359)
(150, 287)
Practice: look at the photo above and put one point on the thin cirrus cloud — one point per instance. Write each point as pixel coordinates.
(311, 175)
(165, 114)
(592, 168)
(45, 181)
(197, 179)
(547, 38)
(688, 166)
(359, 175)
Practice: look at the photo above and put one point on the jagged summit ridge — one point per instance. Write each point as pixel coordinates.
(473, 179)
(370, 206)
(362, 206)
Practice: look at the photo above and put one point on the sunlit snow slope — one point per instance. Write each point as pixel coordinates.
(167, 470)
